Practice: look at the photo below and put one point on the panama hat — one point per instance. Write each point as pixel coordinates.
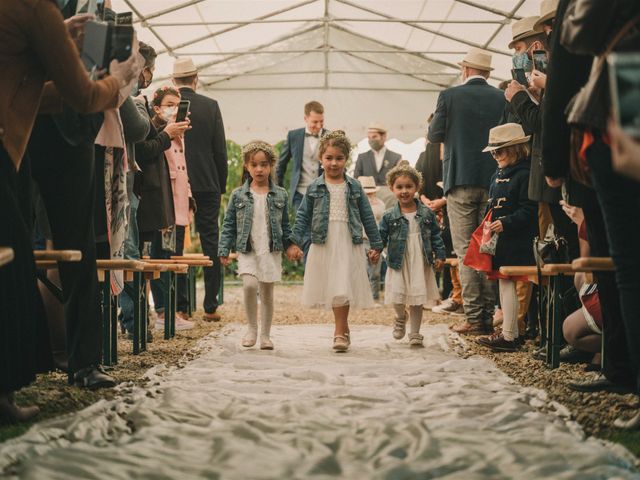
(368, 184)
(505, 136)
(377, 127)
(523, 28)
(184, 67)
(478, 59)
(548, 10)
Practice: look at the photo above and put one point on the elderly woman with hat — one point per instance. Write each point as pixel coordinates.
(514, 219)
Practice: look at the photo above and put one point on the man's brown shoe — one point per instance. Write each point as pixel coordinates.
(212, 317)
(467, 328)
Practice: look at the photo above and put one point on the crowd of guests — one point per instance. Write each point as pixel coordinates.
(90, 164)
(93, 165)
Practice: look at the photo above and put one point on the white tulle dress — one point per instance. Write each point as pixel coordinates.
(415, 282)
(266, 266)
(336, 271)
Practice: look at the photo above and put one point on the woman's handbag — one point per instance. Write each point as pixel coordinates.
(475, 258)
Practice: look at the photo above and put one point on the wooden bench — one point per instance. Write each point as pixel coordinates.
(551, 316)
(188, 259)
(48, 260)
(451, 262)
(58, 255)
(6, 255)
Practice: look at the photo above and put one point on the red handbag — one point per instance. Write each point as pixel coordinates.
(482, 262)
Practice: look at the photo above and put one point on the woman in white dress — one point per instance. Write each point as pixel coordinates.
(336, 209)
(256, 225)
(411, 233)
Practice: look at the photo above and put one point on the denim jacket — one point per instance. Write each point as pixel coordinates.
(236, 228)
(394, 229)
(314, 213)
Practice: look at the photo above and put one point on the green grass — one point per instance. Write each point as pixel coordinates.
(11, 431)
(630, 439)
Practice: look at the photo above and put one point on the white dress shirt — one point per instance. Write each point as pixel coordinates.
(379, 157)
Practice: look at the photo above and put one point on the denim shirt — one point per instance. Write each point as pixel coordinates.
(394, 230)
(314, 213)
(236, 228)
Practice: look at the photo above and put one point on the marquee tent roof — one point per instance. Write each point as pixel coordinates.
(364, 60)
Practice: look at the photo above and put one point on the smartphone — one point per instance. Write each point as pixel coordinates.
(183, 110)
(624, 85)
(519, 76)
(540, 60)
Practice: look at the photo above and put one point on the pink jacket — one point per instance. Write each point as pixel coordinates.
(179, 180)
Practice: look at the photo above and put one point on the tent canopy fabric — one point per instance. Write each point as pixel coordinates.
(363, 60)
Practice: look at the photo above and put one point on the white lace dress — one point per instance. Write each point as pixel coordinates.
(336, 271)
(415, 282)
(266, 266)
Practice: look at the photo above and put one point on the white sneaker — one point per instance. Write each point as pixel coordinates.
(431, 304)
(443, 305)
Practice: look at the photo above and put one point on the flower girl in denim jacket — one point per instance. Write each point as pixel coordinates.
(256, 226)
(336, 209)
(411, 233)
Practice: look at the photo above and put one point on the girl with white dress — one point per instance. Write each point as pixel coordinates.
(256, 225)
(411, 233)
(336, 209)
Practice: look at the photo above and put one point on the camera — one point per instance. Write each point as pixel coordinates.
(104, 42)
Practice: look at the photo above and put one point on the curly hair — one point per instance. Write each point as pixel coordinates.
(251, 148)
(162, 92)
(337, 139)
(404, 171)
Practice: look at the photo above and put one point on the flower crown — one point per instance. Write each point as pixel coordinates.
(338, 135)
(164, 90)
(258, 146)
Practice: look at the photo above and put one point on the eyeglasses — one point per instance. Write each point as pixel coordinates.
(497, 153)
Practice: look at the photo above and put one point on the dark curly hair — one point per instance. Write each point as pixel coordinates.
(404, 171)
(337, 139)
(162, 92)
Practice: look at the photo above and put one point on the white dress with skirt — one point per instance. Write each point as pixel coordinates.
(336, 271)
(415, 282)
(266, 266)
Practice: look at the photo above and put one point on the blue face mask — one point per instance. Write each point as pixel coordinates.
(522, 60)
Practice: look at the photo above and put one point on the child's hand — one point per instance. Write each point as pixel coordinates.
(439, 264)
(294, 253)
(225, 261)
(374, 256)
(496, 226)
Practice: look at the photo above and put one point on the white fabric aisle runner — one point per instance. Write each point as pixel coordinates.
(381, 411)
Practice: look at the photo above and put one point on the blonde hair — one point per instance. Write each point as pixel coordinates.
(404, 171)
(337, 139)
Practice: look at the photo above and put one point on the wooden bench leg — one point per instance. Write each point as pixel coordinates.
(555, 321)
(106, 318)
(114, 329)
(144, 312)
(166, 282)
(173, 293)
(221, 289)
(134, 293)
(191, 290)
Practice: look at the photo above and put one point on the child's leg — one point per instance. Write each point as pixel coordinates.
(399, 328)
(415, 317)
(509, 302)
(250, 293)
(266, 314)
(341, 316)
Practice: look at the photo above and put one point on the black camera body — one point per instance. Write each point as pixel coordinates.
(104, 42)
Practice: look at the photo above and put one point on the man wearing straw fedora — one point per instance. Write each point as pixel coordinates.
(206, 154)
(463, 117)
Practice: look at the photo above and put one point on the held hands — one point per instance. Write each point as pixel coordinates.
(513, 88)
(225, 261)
(438, 265)
(294, 253)
(374, 256)
(437, 204)
(496, 226)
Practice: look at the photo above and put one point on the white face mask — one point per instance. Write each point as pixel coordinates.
(169, 113)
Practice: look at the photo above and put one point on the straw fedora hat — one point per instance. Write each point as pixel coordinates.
(377, 127)
(505, 136)
(523, 28)
(368, 184)
(548, 10)
(478, 59)
(184, 67)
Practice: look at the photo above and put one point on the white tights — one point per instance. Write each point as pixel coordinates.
(509, 303)
(251, 288)
(415, 315)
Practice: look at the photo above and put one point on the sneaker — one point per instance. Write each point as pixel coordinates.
(449, 307)
(250, 337)
(93, 378)
(399, 328)
(431, 304)
(415, 340)
(182, 324)
(266, 343)
(458, 311)
(341, 343)
(467, 328)
(498, 343)
(443, 305)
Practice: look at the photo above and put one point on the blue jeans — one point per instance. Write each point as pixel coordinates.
(131, 252)
(306, 240)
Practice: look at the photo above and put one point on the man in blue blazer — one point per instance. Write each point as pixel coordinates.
(462, 120)
(302, 146)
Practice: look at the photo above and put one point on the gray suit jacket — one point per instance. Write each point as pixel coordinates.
(366, 166)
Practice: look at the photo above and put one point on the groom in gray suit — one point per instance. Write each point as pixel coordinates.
(377, 162)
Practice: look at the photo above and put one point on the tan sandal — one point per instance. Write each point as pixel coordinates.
(341, 343)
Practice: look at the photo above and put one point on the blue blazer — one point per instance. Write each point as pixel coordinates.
(293, 149)
(462, 120)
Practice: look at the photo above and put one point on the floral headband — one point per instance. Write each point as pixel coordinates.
(338, 135)
(164, 91)
(254, 147)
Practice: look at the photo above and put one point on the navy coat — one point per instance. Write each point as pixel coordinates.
(462, 120)
(519, 215)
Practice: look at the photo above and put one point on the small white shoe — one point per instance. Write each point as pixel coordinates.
(250, 337)
(415, 340)
(399, 328)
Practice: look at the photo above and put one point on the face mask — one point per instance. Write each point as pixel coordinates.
(168, 113)
(375, 144)
(142, 80)
(522, 60)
